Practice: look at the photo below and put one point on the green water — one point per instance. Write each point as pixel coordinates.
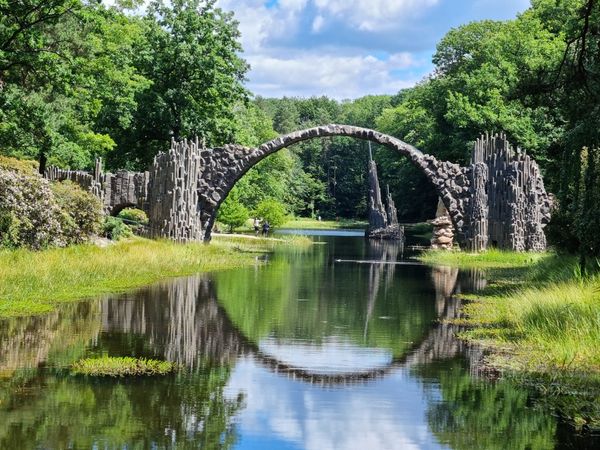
(338, 346)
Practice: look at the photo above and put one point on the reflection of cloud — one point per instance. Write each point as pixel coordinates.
(388, 414)
(335, 355)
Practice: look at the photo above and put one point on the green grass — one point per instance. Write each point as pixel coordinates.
(483, 260)
(107, 366)
(314, 224)
(540, 318)
(36, 282)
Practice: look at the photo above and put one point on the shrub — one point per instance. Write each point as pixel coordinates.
(114, 229)
(81, 212)
(134, 215)
(272, 211)
(29, 215)
(23, 166)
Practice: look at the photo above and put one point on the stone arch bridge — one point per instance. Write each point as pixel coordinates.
(499, 198)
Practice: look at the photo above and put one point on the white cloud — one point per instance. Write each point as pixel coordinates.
(338, 76)
(348, 48)
(373, 15)
(318, 24)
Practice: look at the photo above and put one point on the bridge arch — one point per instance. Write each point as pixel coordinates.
(224, 166)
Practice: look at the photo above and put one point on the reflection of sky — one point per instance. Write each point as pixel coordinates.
(334, 355)
(281, 413)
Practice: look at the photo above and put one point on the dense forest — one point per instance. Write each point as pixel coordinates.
(80, 80)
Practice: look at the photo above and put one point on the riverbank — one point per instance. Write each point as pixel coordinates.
(36, 282)
(540, 319)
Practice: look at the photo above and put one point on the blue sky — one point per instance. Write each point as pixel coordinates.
(349, 48)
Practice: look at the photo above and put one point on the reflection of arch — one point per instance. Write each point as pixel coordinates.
(224, 166)
(198, 327)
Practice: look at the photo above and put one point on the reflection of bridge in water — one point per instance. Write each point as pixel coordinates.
(183, 322)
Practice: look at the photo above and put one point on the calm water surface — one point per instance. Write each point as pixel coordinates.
(338, 346)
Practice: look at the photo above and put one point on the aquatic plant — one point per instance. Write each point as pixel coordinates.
(110, 366)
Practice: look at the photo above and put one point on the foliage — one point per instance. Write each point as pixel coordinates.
(271, 211)
(232, 213)
(110, 366)
(81, 212)
(115, 229)
(29, 215)
(134, 215)
(190, 55)
(24, 166)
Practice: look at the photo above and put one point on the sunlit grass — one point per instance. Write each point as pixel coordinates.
(107, 366)
(540, 317)
(314, 224)
(488, 259)
(36, 282)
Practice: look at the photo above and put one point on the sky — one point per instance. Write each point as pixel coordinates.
(349, 48)
(346, 49)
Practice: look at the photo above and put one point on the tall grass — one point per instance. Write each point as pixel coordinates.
(489, 259)
(35, 282)
(540, 317)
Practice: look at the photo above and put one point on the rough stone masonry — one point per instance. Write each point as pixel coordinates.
(497, 200)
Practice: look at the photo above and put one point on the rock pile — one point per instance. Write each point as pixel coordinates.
(443, 230)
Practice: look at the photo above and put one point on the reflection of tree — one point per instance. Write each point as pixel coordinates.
(187, 410)
(180, 321)
(55, 338)
(475, 413)
(292, 299)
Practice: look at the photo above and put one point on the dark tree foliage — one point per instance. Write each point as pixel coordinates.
(190, 56)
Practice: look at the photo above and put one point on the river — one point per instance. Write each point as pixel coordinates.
(342, 345)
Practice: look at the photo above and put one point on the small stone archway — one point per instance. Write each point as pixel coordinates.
(224, 166)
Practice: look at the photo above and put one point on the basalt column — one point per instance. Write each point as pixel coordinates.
(377, 214)
(383, 222)
(173, 193)
(509, 205)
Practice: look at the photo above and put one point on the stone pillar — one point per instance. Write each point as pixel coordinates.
(173, 193)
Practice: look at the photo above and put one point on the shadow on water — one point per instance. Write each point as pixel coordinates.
(303, 352)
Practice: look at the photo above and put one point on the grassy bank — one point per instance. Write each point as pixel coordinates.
(36, 282)
(541, 319)
(302, 223)
(493, 259)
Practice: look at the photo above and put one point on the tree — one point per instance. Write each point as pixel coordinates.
(190, 54)
(68, 80)
(272, 211)
(232, 213)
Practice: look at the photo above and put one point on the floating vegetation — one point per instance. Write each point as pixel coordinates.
(108, 366)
